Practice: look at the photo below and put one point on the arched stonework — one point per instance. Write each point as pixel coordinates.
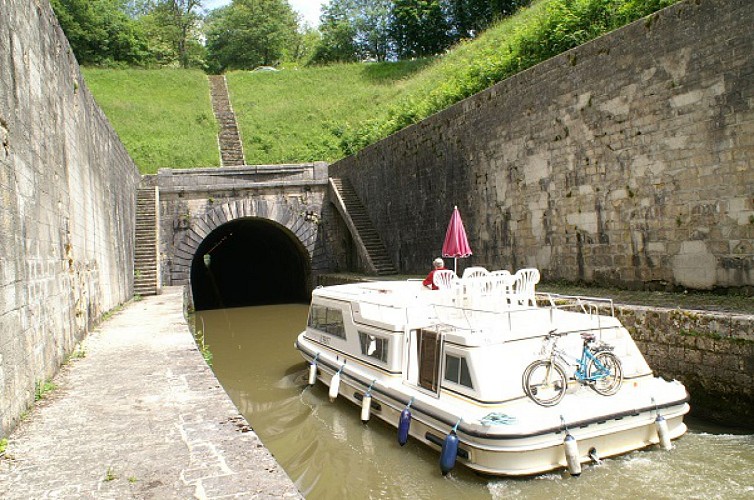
(201, 226)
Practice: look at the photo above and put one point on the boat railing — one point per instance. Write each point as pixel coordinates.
(504, 319)
(588, 305)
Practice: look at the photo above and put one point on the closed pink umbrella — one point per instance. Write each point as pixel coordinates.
(456, 244)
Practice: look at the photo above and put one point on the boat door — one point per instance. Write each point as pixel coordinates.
(429, 350)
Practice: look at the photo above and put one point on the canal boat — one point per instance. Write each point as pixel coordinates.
(452, 367)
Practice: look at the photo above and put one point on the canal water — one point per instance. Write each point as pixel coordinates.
(329, 454)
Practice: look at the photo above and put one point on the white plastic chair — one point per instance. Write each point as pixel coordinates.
(475, 272)
(502, 285)
(524, 287)
(444, 279)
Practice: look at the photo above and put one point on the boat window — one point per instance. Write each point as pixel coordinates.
(374, 347)
(457, 371)
(327, 320)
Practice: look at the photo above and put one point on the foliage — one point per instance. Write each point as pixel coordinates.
(203, 347)
(175, 25)
(164, 117)
(336, 45)
(132, 32)
(419, 28)
(303, 45)
(546, 29)
(354, 30)
(110, 474)
(3, 446)
(41, 388)
(249, 33)
(300, 115)
(100, 32)
(470, 17)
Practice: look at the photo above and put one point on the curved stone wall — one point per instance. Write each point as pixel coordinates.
(626, 161)
(67, 217)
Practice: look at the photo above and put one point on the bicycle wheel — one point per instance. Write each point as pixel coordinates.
(545, 382)
(605, 373)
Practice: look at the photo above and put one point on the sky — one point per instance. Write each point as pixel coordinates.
(309, 9)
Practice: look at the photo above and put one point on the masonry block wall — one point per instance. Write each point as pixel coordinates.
(711, 353)
(195, 202)
(67, 218)
(626, 161)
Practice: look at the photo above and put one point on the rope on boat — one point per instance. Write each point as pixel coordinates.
(498, 419)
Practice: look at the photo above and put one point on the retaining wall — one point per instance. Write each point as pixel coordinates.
(67, 218)
(711, 353)
(626, 161)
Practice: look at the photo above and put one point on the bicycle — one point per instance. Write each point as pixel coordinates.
(545, 380)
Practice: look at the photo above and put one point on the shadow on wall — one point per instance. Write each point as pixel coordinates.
(249, 262)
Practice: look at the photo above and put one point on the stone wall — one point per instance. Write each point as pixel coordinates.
(711, 353)
(626, 161)
(68, 202)
(194, 202)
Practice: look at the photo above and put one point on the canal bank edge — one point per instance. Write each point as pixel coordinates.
(712, 353)
(140, 415)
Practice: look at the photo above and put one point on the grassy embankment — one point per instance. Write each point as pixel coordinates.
(534, 34)
(297, 115)
(164, 117)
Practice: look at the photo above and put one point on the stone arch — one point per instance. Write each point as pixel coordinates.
(304, 229)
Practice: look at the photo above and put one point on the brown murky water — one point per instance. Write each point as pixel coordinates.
(329, 454)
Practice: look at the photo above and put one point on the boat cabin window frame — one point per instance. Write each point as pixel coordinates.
(460, 372)
(379, 344)
(327, 320)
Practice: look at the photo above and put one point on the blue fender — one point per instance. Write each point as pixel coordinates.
(449, 453)
(403, 425)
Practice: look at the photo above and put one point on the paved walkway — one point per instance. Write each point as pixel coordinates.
(140, 416)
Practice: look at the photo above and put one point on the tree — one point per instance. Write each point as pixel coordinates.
(469, 17)
(249, 33)
(177, 23)
(419, 28)
(304, 44)
(338, 34)
(372, 23)
(355, 30)
(100, 32)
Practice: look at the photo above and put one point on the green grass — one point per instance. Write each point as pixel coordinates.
(545, 29)
(42, 388)
(164, 117)
(299, 115)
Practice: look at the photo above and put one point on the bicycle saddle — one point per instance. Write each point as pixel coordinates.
(588, 337)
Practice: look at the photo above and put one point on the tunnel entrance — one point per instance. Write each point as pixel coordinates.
(249, 262)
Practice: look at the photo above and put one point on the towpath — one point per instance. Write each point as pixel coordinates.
(139, 416)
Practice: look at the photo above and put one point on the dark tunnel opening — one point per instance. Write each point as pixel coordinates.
(249, 262)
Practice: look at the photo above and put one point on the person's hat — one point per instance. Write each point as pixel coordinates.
(438, 262)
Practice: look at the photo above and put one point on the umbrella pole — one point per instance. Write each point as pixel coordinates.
(455, 265)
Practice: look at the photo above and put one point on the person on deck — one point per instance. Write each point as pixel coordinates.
(437, 264)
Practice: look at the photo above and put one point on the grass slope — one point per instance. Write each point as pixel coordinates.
(298, 115)
(164, 117)
(534, 34)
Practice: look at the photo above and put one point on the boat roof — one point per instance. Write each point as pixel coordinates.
(463, 317)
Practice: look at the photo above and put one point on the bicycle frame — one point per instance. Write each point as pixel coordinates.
(580, 374)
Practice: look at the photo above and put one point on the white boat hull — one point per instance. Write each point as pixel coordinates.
(509, 450)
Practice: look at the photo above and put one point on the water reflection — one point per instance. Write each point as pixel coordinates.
(329, 453)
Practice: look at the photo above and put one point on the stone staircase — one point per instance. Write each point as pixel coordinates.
(145, 251)
(369, 245)
(231, 148)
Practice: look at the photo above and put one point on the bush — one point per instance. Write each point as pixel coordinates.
(544, 30)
